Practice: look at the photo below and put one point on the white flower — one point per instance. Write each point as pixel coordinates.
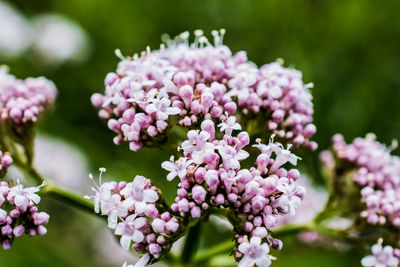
(102, 191)
(231, 158)
(143, 261)
(289, 198)
(23, 197)
(381, 257)
(114, 208)
(177, 168)
(229, 125)
(283, 156)
(254, 253)
(161, 106)
(128, 230)
(138, 194)
(197, 145)
(241, 83)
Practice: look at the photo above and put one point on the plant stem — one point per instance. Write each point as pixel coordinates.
(191, 243)
(70, 198)
(59, 193)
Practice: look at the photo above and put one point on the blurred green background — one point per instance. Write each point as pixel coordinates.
(350, 50)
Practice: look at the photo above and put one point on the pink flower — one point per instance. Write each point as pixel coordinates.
(129, 230)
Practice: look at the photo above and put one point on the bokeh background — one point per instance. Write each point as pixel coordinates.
(348, 49)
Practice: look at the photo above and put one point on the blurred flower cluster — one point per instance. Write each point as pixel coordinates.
(48, 39)
(22, 101)
(377, 173)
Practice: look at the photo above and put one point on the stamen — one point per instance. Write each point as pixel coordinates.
(119, 54)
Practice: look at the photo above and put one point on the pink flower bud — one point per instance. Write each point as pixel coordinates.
(172, 226)
(3, 216)
(186, 93)
(219, 199)
(195, 212)
(6, 230)
(97, 100)
(211, 178)
(183, 205)
(15, 213)
(19, 230)
(158, 225)
(278, 115)
(198, 194)
(260, 232)
(151, 238)
(230, 107)
(40, 218)
(41, 230)
(208, 126)
(6, 244)
(154, 249)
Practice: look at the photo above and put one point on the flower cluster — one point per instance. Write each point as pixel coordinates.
(212, 179)
(19, 214)
(137, 213)
(202, 81)
(382, 256)
(22, 101)
(5, 162)
(378, 175)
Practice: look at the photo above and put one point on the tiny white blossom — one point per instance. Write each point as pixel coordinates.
(229, 125)
(129, 230)
(161, 106)
(137, 194)
(23, 197)
(142, 262)
(177, 168)
(289, 198)
(254, 253)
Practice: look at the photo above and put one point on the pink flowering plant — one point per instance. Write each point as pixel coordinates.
(234, 132)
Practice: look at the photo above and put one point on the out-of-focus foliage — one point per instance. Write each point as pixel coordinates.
(348, 49)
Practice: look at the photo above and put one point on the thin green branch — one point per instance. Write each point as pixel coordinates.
(191, 243)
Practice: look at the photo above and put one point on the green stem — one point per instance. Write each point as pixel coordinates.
(191, 243)
(70, 198)
(58, 193)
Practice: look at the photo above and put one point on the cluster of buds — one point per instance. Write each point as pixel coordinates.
(382, 256)
(137, 213)
(211, 178)
(202, 81)
(22, 101)
(5, 162)
(19, 214)
(377, 174)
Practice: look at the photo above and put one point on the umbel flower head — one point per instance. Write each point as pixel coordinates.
(18, 212)
(382, 256)
(377, 175)
(186, 83)
(23, 101)
(211, 179)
